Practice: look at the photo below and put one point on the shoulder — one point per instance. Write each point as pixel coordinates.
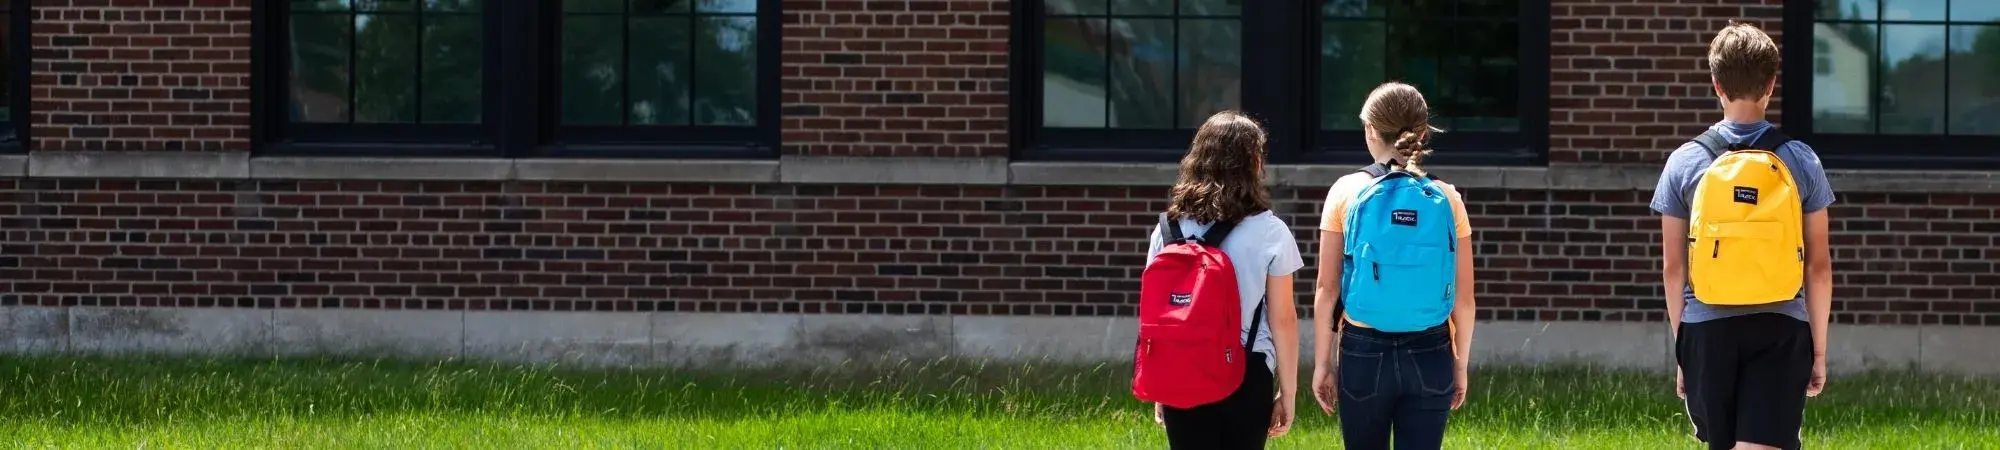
(1267, 223)
(1797, 153)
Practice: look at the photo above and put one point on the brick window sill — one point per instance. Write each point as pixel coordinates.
(860, 170)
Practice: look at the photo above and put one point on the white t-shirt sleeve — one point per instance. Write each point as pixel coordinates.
(1153, 245)
(1284, 248)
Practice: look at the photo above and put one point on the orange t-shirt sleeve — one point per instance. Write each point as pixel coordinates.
(1333, 216)
(1458, 211)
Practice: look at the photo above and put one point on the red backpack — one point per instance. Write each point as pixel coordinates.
(1190, 317)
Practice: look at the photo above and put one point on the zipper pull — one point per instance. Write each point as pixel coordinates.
(1377, 270)
(1716, 251)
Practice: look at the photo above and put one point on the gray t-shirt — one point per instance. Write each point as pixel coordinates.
(1260, 246)
(1677, 184)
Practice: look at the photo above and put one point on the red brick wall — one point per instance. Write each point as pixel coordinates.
(141, 75)
(1629, 79)
(1544, 255)
(895, 77)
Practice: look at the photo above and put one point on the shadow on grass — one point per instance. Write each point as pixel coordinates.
(137, 391)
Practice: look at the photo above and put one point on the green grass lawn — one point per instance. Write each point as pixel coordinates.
(202, 403)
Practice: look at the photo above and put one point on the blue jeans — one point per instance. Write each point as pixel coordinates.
(1400, 383)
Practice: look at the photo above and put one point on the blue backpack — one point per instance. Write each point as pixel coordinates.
(1401, 256)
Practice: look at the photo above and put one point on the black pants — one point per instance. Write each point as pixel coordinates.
(1398, 384)
(1746, 378)
(1240, 420)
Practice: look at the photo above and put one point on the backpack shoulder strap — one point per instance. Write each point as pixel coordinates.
(1772, 139)
(1171, 230)
(1217, 232)
(1376, 170)
(1712, 141)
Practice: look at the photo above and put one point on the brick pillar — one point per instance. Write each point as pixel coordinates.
(895, 78)
(138, 75)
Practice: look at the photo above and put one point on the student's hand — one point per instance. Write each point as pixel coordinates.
(1818, 383)
(1680, 384)
(1324, 389)
(1463, 378)
(1282, 415)
(1159, 415)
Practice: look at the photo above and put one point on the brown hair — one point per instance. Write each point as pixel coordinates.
(1398, 113)
(1743, 61)
(1222, 176)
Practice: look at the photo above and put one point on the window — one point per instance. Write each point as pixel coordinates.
(638, 68)
(1920, 75)
(1131, 79)
(1481, 64)
(508, 78)
(14, 74)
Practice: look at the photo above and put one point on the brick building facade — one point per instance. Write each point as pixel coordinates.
(277, 167)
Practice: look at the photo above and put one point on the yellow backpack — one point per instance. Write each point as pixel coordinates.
(1746, 240)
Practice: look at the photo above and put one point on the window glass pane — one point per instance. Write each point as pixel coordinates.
(728, 6)
(1211, 8)
(1913, 84)
(1351, 62)
(1846, 10)
(659, 71)
(319, 67)
(6, 72)
(1135, 7)
(1211, 75)
(453, 5)
(1416, 52)
(592, 6)
(385, 5)
(320, 5)
(1073, 73)
(1142, 73)
(1480, 85)
(1435, 9)
(453, 80)
(1975, 11)
(1975, 80)
(1843, 65)
(385, 68)
(593, 89)
(1913, 10)
(1072, 7)
(660, 6)
(725, 64)
(1495, 9)
(1353, 8)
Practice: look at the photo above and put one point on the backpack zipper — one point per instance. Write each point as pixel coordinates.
(1378, 270)
(1716, 251)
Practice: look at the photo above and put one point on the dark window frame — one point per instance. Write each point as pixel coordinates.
(512, 125)
(1281, 42)
(1865, 151)
(16, 138)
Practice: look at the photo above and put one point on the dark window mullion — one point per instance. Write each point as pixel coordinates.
(1174, 70)
(694, 77)
(353, 63)
(625, 65)
(418, 75)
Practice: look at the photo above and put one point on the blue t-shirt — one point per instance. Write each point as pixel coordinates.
(1677, 184)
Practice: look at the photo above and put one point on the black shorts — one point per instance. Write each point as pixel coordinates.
(1746, 378)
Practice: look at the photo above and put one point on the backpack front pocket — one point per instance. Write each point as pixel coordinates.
(1744, 263)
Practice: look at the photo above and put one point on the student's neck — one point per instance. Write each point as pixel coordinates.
(1743, 112)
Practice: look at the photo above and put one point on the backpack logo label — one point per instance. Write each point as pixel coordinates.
(1746, 195)
(1404, 217)
(1180, 299)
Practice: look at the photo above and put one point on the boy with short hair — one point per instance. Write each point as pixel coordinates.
(1750, 349)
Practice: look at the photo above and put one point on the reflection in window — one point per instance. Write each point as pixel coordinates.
(353, 61)
(1924, 67)
(7, 38)
(1464, 56)
(659, 62)
(1151, 64)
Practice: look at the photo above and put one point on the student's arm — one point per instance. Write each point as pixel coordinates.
(1325, 293)
(1284, 313)
(1464, 308)
(1819, 280)
(1673, 268)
